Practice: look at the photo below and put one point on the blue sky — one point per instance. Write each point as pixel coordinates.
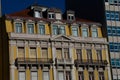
(10, 6)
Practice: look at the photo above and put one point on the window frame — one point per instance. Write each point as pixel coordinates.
(39, 29)
(31, 74)
(48, 74)
(19, 76)
(87, 31)
(18, 52)
(96, 31)
(16, 27)
(28, 28)
(75, 27)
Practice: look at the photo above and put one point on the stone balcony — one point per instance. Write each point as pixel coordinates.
(33, 61)
(90, 62)
(28, 36)
(63, 61)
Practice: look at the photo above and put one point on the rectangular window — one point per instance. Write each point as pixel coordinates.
(84, 32)
(18, 27)
(46, 75)
(55, 30)
(107, 15)
(30, 28)
(74, 31)
(112, 15)
(117, 16)
(60, 75)
(80, 76)
(44, 53)
(41, 29)
(91, 76)
(89, 55)
(68, 75)
(59, 53)
(62, 30)
(99, 55)
(66, 53)
(101, 75)
(51, 15)
(22, 75)
(114, 31)
(21, 52)
(33, 53)
(79, 54)
(118, 31)
(94, 32)
(34, 75)
(109, 31)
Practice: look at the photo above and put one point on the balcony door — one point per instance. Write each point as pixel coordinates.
(66, 53)
(89, 55)
(79, 54)
(59, 53)
(99, 55)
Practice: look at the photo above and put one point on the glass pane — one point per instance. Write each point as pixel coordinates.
(46, 75)
(42, 29)
(74, 31)
(34, 75)
(60, 76)
(84, 32)
(94, 32)
(55, 30)
(21, 75)
(18, 27)
(30, 28)
(62, 30)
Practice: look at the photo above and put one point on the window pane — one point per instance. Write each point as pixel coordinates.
(34, 75)
(68, 75)
(66, 53)
(107, 15)
(91, 76)
(18, 27)
(32, 52)
(89, 54)
(62, 30)
(21, 75)
(74, 31)
(45, 75)
(101, 75)
(94, 32)
(44, 53)
(30, 28)
(60, 76)
(59, 53)
(99, 55)
(79, 54)
(84, 32)
(42, 29)
(80, 76)
(55, 30)
(21, 52)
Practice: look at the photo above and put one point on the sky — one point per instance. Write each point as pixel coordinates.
(11, 6)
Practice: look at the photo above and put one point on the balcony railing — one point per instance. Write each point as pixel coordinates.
(63, 61)
(34, 61)
(91, 62)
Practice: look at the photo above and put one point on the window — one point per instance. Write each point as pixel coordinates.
(80, 75)
(62, 30)
(37, 14)
(94, 32)
(79, 54)
(84, 32)
(59, 53)
(61, 75)
(91, 76)
(112, 16)
(115, 63)
(114, 31)
(18, 27)
(70, 16)
(45, 75)
(68, 75)
(117, 16)
(34, 75)
(21, 52)
(30, 28)
(41, 29)
(109, 30)
(118, 31)
(44, 53)
(22, 75)
(107, 15)
(89, 55)
(101, 75)
(74, 31)
(99, 55)
(66, 53)
(51, 15)
(55, 30)
(33, 52)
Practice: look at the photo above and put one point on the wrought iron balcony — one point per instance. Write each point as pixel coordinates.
(34, 61)
(90, 62)
(63, 61)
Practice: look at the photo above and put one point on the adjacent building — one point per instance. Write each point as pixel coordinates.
(39, 43)
(112, 10)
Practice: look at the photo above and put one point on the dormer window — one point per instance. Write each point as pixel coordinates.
(37, 14)
(58, 16)
(70, 15)
(51, 15)
(18, 27)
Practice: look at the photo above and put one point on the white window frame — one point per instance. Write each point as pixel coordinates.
(43, 74)
(39, 29)
(29, 50)
(27, 28)
(31, 74)
(85, 27)
(19, 75)
(15, 27)
(51, 15)
(75, 30)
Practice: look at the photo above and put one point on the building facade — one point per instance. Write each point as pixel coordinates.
(112, 8)
(43, 45)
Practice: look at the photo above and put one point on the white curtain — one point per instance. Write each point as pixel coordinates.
(33, 75)
(45, 75)
(60, 76)
(21, 75)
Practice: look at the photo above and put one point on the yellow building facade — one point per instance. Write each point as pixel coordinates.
(41, 45)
